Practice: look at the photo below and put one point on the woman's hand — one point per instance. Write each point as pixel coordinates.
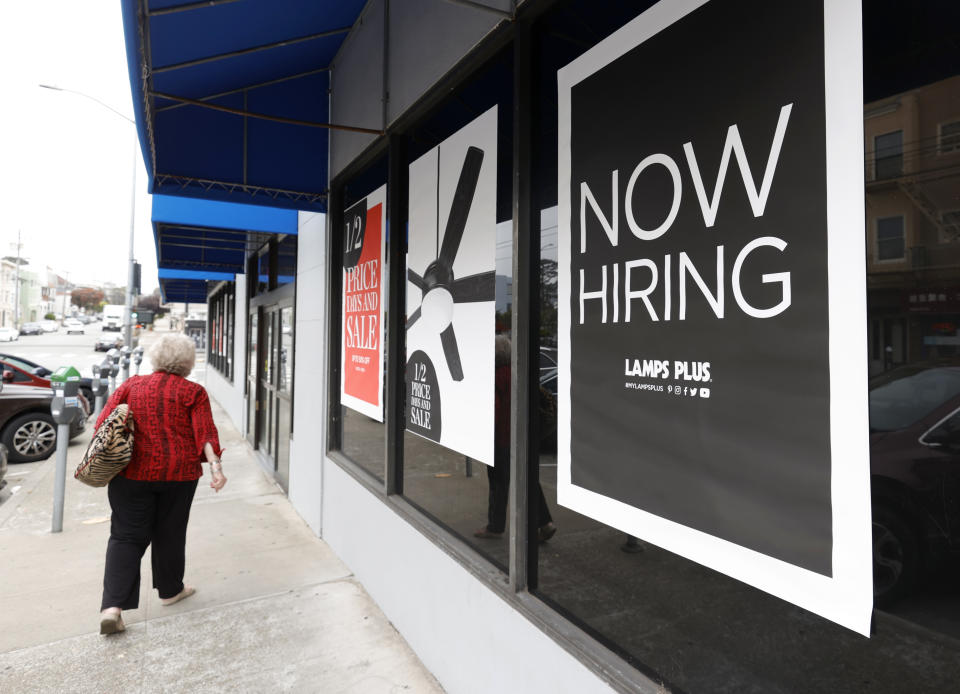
(218, 481)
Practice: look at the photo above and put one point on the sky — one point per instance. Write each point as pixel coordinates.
(66, 162)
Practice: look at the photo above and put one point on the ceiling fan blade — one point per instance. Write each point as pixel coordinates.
(460, 207)
(479, 287)
(413, 318)
(449, 340)
(416, 280)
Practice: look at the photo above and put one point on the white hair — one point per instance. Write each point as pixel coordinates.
(501, 347)
(173, 353)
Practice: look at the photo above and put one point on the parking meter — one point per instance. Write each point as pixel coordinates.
(98, 384)
(113, 355)
(65, 405)
(138, 358)
(125, 360)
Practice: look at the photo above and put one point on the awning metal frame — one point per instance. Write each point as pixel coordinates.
(208, 184)
(150, 110)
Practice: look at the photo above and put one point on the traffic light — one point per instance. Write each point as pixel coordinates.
(136, 279)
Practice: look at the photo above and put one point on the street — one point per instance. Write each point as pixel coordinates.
(53, 350)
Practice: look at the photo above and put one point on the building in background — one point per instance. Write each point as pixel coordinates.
(912, 141)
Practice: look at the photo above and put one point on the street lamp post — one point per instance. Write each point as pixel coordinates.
(128, 311)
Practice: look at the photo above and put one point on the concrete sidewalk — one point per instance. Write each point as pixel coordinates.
(275, 610)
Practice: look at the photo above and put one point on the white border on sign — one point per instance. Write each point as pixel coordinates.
(374, 411)
(847, 597)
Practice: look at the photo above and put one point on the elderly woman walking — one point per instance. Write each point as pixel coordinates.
(150, 499)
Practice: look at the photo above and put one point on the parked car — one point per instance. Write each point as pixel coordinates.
(26, 372)
(49, 326)
(72, 325)
(105, 343)
(915, 473)
(9, 334)
(27, 428)
(31, 329)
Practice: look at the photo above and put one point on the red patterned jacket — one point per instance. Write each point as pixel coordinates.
(172, 421)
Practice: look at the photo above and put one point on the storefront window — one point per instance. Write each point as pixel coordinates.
(220, 309)
(286, 259)
(691, 627)
(263, 282)
(364, 267)
(459, 291)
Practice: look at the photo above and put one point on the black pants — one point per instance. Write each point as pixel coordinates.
(498, 477)
(145, 513)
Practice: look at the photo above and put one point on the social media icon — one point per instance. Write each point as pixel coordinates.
(669, 389)
(704, 392)
(693, 392)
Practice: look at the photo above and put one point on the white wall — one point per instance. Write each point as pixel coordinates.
(310, 389)
(230, 395)
(468, 637)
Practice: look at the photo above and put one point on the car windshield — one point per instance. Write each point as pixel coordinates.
(901, 399)
(20, 363)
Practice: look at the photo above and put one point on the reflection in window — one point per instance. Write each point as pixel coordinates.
(889, 154)
(263, 271)
(286, 350)
(890, 241)
(950, 137)
(287, 259)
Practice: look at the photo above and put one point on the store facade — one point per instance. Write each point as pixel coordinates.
(578, 235)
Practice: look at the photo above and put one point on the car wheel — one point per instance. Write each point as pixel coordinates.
(30, 437)
(896, 556)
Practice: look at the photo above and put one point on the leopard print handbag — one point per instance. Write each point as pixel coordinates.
(109, 450)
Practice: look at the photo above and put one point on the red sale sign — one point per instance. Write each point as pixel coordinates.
(361, 385)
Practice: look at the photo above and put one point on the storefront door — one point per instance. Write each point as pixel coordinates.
(270, 383)
(253, 364)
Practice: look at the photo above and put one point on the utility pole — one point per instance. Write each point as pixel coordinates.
(16, 308)
(63, 305)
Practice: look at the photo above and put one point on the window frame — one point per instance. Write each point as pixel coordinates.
(955, 148)
(221, 322)
(877, 159)
(876, 239)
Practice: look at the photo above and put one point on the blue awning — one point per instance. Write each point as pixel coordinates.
(173, 290)
(207, 240)
(230, 96)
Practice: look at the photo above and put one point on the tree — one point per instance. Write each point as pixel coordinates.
(87, 298)
(115, 295)
(548, 301)
(150, 302)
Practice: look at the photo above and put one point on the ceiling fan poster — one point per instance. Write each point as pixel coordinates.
(361, 375)
(450, 290)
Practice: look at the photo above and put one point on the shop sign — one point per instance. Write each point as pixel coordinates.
(712, 313)
(450, 291)
(361, 384)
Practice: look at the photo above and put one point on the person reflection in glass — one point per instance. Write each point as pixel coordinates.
(498, 475)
